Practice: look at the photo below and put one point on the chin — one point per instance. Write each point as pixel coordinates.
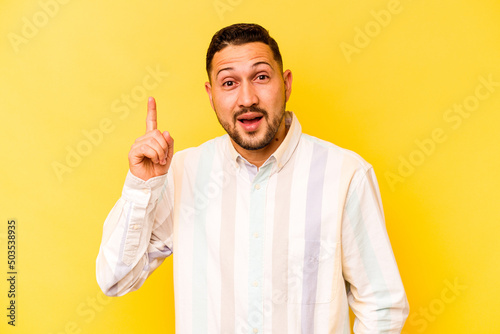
(253, 144)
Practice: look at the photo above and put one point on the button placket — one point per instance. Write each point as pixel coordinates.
(258, 189)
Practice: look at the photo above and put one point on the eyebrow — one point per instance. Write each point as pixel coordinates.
(262, 63)
(254, 65)
(224, 69)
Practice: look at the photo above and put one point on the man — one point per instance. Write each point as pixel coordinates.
(272, 230)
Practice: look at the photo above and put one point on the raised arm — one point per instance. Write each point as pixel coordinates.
(137, 234)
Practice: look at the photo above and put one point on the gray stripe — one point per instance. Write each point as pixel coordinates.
(161, 253)
(227, 239)
(280, 250)
(312, 235)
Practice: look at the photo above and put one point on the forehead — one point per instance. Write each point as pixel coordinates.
(233, 56)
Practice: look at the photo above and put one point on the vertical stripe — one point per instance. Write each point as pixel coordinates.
(241, 252)
(298, 198)
(184, 178)
(369, 257)
(280, 251)
(227, 239)
(312, 235)
(268, 251)
(213, 191)
(200, 291)
(344, 167)
(256, 248)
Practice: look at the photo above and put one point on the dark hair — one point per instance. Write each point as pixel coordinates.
(238, 34)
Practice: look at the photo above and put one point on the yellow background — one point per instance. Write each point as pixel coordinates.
(68, 74)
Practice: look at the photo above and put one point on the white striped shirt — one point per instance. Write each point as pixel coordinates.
(284, 248)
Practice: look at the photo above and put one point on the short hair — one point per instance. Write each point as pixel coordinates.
(239, 34)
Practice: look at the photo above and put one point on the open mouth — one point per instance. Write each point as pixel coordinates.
(250, 121)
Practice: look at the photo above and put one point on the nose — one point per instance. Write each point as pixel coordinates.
(247, 96)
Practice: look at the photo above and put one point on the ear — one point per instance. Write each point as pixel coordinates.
(287, 79)
(208, 88)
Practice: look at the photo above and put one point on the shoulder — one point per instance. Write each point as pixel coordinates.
(348, 167)
(337, 155)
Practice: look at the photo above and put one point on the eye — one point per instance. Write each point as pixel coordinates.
(228, 83)
(262, 77)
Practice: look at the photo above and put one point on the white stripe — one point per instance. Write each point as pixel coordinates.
(213, 225)
(183, 251)
(268, 249)
(241, 253)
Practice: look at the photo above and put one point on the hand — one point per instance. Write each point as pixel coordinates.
(151, 154)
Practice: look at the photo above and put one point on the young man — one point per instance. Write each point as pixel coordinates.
(272, 230)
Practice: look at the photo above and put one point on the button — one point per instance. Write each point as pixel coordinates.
(255, 330)
(255, 283)
(257, 186)
(280, 165)
(136, 227)
(146, 191)
(256, 235)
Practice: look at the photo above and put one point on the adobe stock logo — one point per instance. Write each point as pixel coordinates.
(87, 311)
(32, 26)
(223, 6)
(94, 137)
(371, 29)
(454, 115)
(424, 316)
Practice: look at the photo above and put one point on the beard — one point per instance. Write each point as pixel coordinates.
(250, 141)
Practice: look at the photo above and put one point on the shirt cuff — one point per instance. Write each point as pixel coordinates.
(142, 192)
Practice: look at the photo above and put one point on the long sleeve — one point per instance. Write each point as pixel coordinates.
(375, 290)
(137, 235)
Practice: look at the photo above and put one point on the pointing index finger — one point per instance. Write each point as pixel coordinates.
(151, 117)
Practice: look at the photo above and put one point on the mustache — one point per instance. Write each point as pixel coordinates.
(250, 109)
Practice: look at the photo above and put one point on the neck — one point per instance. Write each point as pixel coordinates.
(258, 157)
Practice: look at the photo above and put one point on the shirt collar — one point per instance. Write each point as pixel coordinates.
(284, 152)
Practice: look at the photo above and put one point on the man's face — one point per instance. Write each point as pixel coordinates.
(248, 93)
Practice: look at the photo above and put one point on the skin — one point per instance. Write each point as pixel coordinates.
(245, 82)
(246, 79)
(151, 154)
